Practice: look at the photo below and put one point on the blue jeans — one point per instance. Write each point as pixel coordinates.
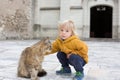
(75, 60)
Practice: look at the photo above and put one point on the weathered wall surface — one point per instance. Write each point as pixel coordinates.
(15, 19)
(25, 19)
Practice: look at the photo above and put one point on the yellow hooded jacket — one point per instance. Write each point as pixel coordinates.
(72, 45)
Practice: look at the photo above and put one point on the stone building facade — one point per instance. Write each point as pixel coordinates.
(15, 19)
(27, 19)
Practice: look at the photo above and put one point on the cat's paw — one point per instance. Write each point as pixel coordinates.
(42, 73)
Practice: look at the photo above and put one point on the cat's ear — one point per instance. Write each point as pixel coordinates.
(46, 40)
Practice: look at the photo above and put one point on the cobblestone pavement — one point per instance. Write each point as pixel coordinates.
(104, 61)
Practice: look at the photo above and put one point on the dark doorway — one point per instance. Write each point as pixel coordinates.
(101, 21)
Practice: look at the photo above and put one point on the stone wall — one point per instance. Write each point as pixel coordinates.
(15, 19)
(26, 19)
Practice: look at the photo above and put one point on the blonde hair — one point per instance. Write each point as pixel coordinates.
(67, 24)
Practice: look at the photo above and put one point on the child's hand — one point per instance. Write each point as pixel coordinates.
(47, 52)
(68, 56)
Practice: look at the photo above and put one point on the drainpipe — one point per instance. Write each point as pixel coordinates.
(36, 26)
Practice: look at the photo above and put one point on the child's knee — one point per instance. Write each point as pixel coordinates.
(61, 54)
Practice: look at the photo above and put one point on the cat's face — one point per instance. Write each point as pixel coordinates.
(45, 44)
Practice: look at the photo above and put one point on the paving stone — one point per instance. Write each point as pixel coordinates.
(103, 61)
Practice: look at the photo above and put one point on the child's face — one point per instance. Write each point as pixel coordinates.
(65, 33)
